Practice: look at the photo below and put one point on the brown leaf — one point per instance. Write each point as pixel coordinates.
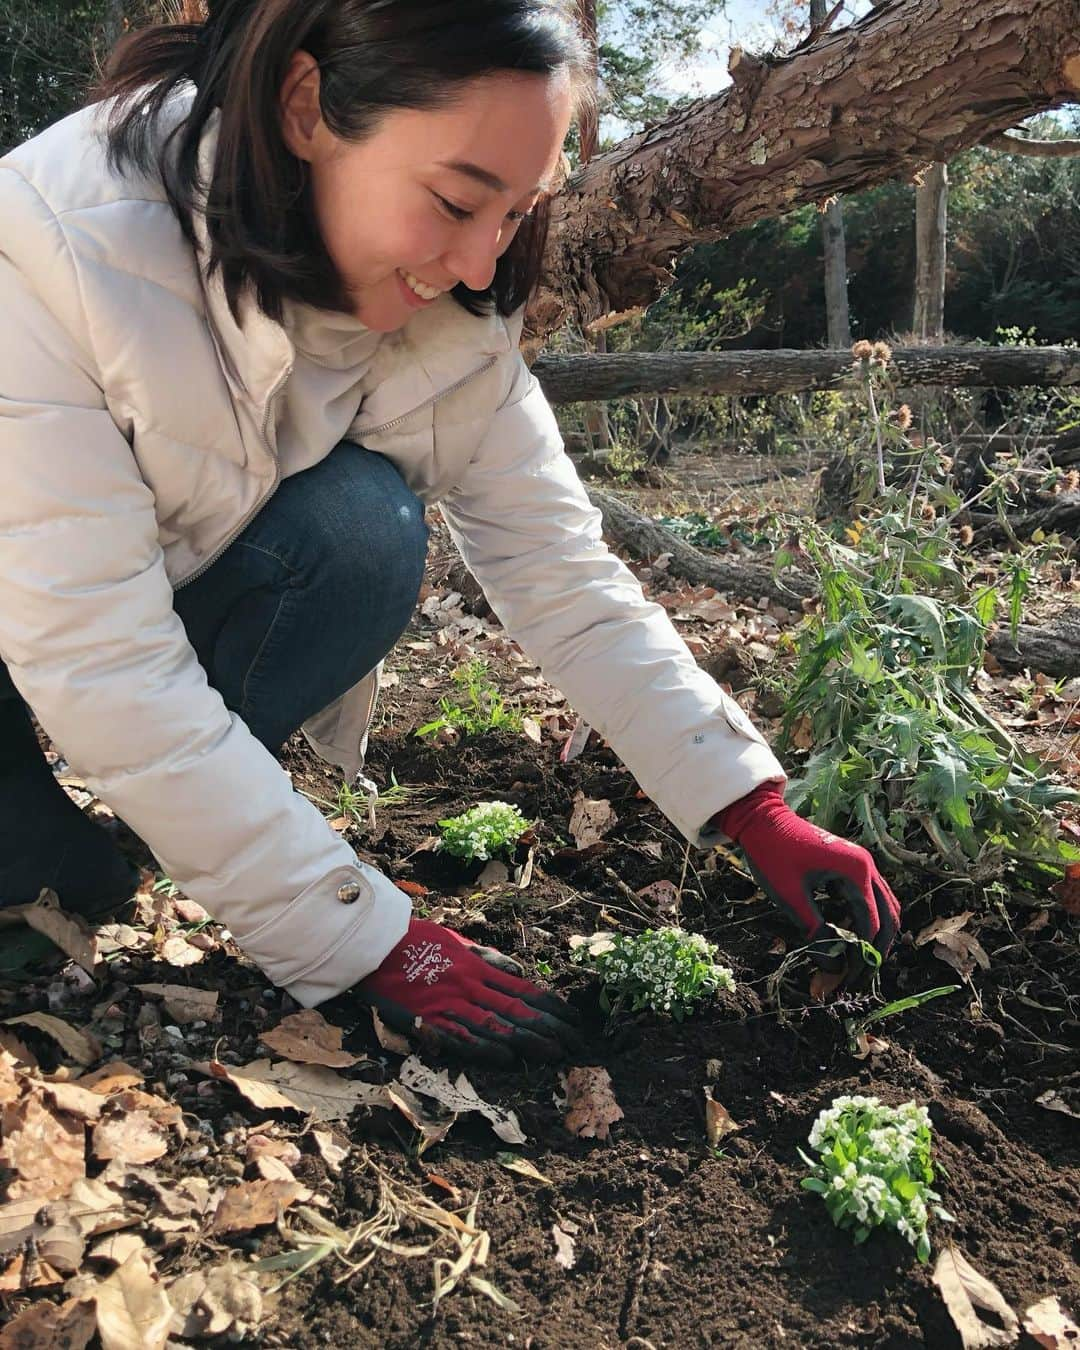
(46, 1326)
(1053, 1101)
(1048, 1323)
(117, 1247)
(70, 932)
(591, 1108)
(157, 1108)
(664, 895)
(412, 888)
(18, 1050)
(11, 1081)
(332, 1153)
(950, 923)
(75, 1099)
(718, 1122)
(189, 911)
(389, 1039)
(460, 1096)
(964, 1290)
(215, 1302)
(28, 1272)
(307, 1037)
(133, 1137)
(310, 1088)
(48, 1225)
(565, 1255)
(590, 820)
(182, 1003)
(95, 1208)
(962, 951)
(47, 1150)
(253, 1204)
(1067, 890)
(178, 951)
(867, 1044)
(133, 1312)
(825, 982)
(111, 1077)
(265, 1146)
(78, 1045)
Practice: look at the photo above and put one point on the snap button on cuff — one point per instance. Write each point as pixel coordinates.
(349, 893)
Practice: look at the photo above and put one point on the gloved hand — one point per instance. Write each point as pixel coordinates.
(790, 858)
(454, 995)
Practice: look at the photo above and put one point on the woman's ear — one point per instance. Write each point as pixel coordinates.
(301, 114)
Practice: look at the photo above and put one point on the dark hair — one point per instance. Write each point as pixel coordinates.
(373, 56)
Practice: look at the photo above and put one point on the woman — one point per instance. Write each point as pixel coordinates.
(262, 302)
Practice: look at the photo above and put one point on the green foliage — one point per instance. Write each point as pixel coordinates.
(481, 707)
(874, 1168)
(483, 831)
(664, 969)
(905, 758)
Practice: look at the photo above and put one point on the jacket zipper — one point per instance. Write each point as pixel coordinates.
(386, 426)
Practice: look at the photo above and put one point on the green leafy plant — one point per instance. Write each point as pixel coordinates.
(483, 831)
(481, 707)
(905, 757)
(873, 1168)
(664, 969)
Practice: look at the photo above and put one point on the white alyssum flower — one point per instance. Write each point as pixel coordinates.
(484, 830)
(874, 1168)
(665, 969)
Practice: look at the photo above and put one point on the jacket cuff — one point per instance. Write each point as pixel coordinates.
(341, 928)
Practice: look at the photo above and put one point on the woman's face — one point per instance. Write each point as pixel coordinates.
(430, 198)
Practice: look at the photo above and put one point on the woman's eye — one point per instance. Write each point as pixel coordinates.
(458, 212)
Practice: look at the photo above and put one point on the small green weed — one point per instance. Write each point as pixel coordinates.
(481, 707)
(483, 831)
(664, 969)
(874, 1168)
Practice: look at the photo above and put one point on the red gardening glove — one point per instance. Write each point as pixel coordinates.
(471, 1000)
(790, 859)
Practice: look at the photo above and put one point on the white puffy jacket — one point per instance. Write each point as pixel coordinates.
(137, 440)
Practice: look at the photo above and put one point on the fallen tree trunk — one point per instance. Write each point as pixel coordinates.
(582, 379)
(1054, 514)
(1053, 648)
(911, 82)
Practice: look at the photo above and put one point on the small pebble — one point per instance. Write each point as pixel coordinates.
(174, 1032)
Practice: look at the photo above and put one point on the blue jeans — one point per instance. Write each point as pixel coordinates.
(311, 596)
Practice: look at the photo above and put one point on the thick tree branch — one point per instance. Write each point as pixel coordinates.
(912, 82)
(1028, 145)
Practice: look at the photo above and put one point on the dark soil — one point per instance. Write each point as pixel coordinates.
(677, 1244)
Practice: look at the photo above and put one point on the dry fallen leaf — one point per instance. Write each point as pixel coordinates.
(266, 1146)
(46, 1150)
(117, 1247)
(48, 1226)
(389, 1039)
(718, 1122)
(133, 1312)
(1067, 891)
(565, 1255)
(75, 1099)
(178, 951)
(307, 1037)
(1053, 1101)
(825, 982)
(70, 932)
(1048, 1323)
(951, 923)
(664, 895)
(332, 1153)
(78, 1045)
(253, 1204)
(523, 1167)
(16, 1050)
(25, 1273)
(867, 1044)
(432, 1130)
(460, 1096)
(962, 951)
(48, 1326)
(182, 1003)
(111, 1077)
(299, 1087)
(134, 1137)
(964, 1290)
(590, 820)
(591, 1108)
(215, 1302)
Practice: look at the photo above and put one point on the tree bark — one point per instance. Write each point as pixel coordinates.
(1055, 514)
(834, 249)
(931, 252)
(585, 379)
(911, 82)
(1053, 648)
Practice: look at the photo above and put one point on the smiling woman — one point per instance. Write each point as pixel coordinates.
(351, 135)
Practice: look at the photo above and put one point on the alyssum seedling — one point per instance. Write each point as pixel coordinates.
(483, 831)
(874, 1168)
(664, 969)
